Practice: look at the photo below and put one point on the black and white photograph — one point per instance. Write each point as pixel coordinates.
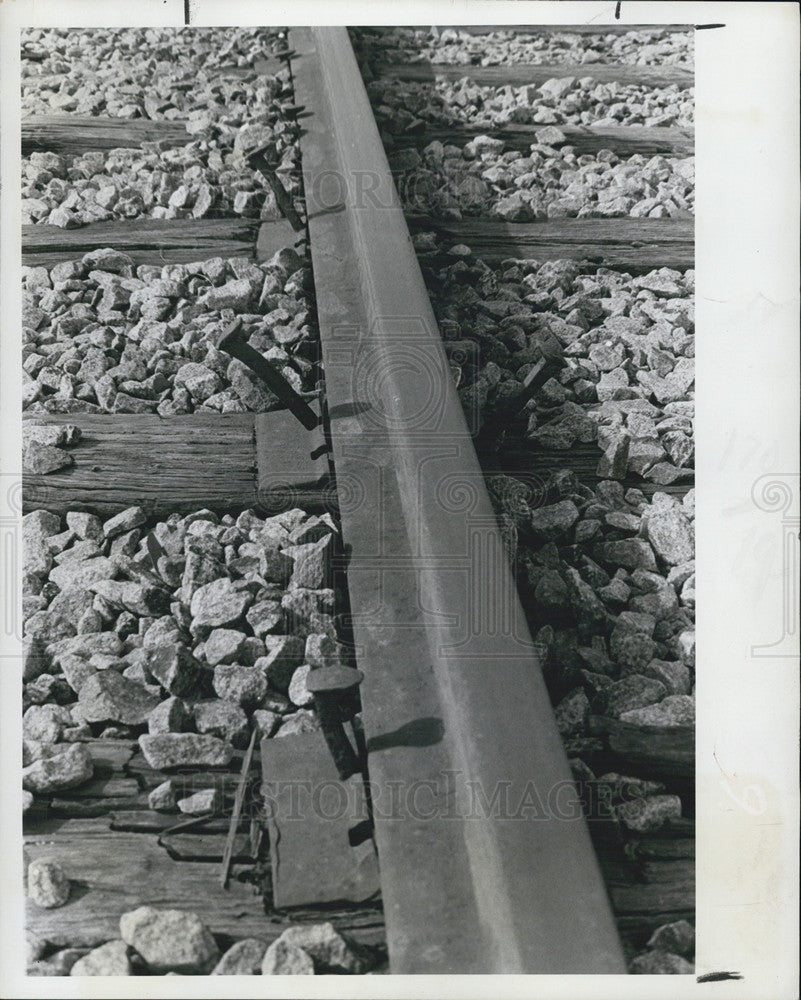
(351, 507)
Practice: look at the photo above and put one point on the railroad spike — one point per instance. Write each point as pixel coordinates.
(230, 340)
(325, 680)
(266, 152)
(332, 689)
(548, 366)
(265, 160)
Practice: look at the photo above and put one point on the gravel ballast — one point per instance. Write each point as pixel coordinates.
(606, 574)
(629, 345)
(102, 73)
(182, 634)
(486, 177)
(160, 941)
(613, 612)
(193, 181)
(124, 629)
(483, 178)
(103, 335)
(571, 98)
(405, 106)
(454, 46)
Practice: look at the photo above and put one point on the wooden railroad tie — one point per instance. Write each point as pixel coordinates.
(623, 139)
(267, 461)
(159, 241)
(76, 134)
(522, 74)
(633, 245)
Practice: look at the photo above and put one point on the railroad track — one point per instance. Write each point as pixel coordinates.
(487, 862)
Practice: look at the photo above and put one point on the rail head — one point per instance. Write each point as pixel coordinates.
(453, 694)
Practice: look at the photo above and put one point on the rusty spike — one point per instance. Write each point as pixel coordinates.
(231, 341)
(265, 160)
(328, 685)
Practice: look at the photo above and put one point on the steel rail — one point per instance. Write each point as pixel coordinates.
(486, 862)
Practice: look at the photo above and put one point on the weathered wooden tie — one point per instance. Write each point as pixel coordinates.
(72, 135)
(662, 752)
(147, 241)
(221, 461)
(157, 241)
(116, 864)
(525, 74)
(521, 456)
(634, 245)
